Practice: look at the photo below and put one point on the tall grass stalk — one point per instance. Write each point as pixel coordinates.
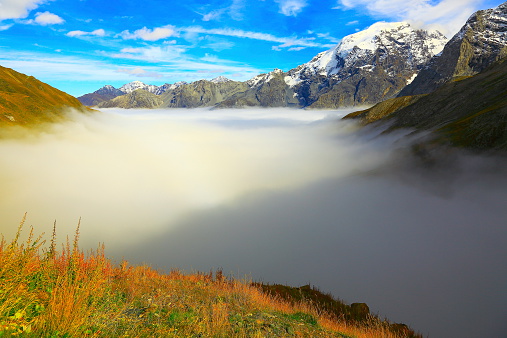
(45, 292)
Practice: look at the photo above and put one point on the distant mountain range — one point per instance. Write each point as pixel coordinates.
(457, 90)
(365, 68)
(461, 96)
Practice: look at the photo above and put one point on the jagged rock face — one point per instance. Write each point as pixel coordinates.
(135, 85)
(481, 41)
(201, 93)
(470, 113)
(139, 98)
(265, 90)
(105, 93)
(166, 87)
(366, 67)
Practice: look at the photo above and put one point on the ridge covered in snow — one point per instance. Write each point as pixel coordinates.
(220, 79)
(135, 85)
(359, 50)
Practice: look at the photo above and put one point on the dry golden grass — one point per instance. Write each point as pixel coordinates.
(45, 292)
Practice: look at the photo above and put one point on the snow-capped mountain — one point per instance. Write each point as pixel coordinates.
(365, 49)
(366, 67)
(166, 87)
(135, 85)
(260, 79)
(220, 79)
(105, 93)
(479, 43)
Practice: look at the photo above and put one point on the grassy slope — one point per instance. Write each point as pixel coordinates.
(468, 112)
(24, 100)
(49, 293)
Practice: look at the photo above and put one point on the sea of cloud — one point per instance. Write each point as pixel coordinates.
(285, 196)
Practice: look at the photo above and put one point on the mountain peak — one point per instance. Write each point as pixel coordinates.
(378, 44)
(134, 85)
(479, 43)
(220, 79)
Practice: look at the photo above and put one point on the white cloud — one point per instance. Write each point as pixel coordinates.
(47, 18)
(97, 32)
(285, 41)
(448, 15)
(235, 12)
(291, 7)
(151, 54)
(5, 27)
(147, 34)
(17, 9)
(213, 15)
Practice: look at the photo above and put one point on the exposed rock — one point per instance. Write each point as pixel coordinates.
(481, 41)
(139, 98)
(201, 93)
(366, 67)
(469, 113)
(105, 93)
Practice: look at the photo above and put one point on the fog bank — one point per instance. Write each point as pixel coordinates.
(285, 196)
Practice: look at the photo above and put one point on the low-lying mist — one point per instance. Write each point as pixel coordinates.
(285, 196)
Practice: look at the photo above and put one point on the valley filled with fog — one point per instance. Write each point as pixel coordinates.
(278, 195)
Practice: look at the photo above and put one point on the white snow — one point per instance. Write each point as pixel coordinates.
(134, 85)
(358, 50)
(220, 79)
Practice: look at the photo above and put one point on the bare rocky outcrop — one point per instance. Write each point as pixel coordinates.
(481, 41)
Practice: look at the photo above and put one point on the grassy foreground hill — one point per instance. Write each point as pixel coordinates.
(45, 292)
(24, 100)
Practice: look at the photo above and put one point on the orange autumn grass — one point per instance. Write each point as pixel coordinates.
(45, 292)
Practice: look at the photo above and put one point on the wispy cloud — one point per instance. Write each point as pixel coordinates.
(17, 9)
(147, 34)
(45, 19)
(291, 7)
(351, 23)
(50, 67)
(5, 27)
(234, 11)
(449, 15)
(238, 33)
(139, 72)
(152, 53)
(97, 32)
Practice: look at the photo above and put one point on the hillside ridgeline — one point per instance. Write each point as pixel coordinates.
(24, 100)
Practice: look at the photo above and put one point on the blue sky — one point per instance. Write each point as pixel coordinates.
(80, 45)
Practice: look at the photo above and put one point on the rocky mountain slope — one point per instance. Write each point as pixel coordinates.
(365, 68)
(138, 98)
(24, 100)
(481, 41)
(105, 93)
(470, 113)
(201, 93)
(461, 110)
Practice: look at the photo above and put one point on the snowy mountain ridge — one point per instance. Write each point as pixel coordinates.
(359, 50)
(135, 85)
